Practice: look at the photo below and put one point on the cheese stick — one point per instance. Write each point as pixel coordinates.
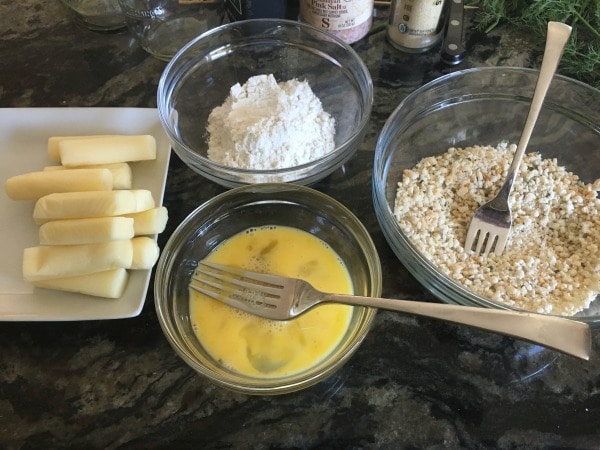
(143, 200)
(79, 205)
(145, 253)
(121, 172)
(109, 283)
(86, 231)
(106, 150)
(151, 221)
(59, 261)
(33, 185)
(53, 142)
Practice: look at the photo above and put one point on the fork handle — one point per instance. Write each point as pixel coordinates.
(565, 335)
(558, 35)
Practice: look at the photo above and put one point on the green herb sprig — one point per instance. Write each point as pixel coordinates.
(581, 59)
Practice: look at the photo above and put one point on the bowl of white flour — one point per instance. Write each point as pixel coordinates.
(265, 100)
(446, 149)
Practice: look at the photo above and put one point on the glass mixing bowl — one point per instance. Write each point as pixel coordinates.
(483, 106)
(237, 210)
(200, 75)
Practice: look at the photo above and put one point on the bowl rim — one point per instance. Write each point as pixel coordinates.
(163, 93)
(256, 385)
(459, 73)
(444, 287)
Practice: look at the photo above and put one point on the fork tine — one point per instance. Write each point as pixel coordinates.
(470, 240)
(501, 243)
(491, 240)
(215, 273)
(485, 242)
(471, 235)
(235, 287)
(199, 286)
(244, 299)
(479, 243)
(225, 272)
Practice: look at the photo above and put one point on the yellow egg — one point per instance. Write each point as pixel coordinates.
(259, 347)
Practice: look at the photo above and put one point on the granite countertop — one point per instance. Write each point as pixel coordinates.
(414, 382)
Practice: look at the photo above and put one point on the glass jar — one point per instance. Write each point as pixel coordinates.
(415, 26)
(349, 20)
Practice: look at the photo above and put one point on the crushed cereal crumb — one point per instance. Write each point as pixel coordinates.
(552, 263)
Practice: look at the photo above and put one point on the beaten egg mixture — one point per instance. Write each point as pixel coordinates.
(260, 347)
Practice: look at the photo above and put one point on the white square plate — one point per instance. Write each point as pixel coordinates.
(24, 133)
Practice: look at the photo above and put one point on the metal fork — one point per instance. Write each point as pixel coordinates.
(491, 225)
(281, 298)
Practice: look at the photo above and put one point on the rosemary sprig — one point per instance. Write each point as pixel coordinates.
(581, 59)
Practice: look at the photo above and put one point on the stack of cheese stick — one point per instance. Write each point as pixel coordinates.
(93, 226)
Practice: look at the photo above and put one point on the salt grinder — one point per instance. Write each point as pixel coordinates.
(349, 20)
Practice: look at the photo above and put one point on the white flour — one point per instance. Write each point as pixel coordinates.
(265, 125)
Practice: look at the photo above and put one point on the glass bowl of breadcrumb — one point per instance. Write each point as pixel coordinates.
(264, 101)
(445, 151)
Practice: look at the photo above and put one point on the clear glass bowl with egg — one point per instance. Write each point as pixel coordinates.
(482, 106)
(231, 213)
(200, 76)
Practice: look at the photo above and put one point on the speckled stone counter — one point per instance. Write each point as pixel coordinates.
(414, 383)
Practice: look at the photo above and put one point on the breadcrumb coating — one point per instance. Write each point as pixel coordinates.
(552, 262)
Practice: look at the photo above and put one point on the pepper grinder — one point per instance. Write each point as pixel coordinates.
(415, 26)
